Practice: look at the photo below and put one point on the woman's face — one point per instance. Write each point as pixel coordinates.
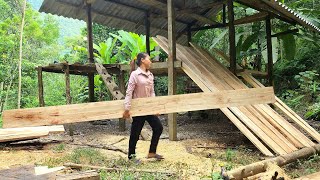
(146, 62)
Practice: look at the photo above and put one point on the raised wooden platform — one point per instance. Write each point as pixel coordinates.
(157, 68)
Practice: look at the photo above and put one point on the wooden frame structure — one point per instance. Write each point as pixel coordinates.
(175, 19)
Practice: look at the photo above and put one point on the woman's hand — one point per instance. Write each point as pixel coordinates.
(126, 114)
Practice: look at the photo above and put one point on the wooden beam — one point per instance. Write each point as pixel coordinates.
(147, 26)
(40, 87)
(163, 7)
(122, 88)
(90, 51)
(194, 22)
(252, 18)
(269, 51)
(172, 80)
(291, 31)
(232, 39)
(67, 77)
(114, 109)
(245, 20)
(189, 35)
(15, 134)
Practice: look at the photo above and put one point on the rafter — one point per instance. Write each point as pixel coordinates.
(163, 7)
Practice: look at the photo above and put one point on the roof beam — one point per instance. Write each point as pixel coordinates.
(195, 9)
(262, 7)
(163, 7)
(245, 20)
(95, 12)
(142, 10)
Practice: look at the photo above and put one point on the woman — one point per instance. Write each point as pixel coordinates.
(141, 85)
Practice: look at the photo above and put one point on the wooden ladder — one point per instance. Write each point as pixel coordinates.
(113, 88)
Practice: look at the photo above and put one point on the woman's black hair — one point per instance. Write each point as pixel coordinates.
(141, 56)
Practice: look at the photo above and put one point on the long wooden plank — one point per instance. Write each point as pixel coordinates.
(285, 126)
(143, 106)
(277, 118)
(13, 134)
(283, 130)
(256, 111)
(229, 114)
(215, 84)
(274, 141)
(283, 107)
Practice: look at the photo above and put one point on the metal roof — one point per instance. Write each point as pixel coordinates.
(129, 15)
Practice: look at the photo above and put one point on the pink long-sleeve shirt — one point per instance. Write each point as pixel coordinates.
(140, 85)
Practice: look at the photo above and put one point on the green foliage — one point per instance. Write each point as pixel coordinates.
(59, 148)
(216, 176)
(105, 50)
(230, 154)
(313, 112)
(39, 46)
(0, 121)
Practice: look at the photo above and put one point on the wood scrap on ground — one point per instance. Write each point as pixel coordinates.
(259, 167)
(107, 147)
(25, 133)
(80, 166)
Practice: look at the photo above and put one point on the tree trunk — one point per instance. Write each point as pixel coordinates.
(1, 99)
(20, 51)
(258, 167)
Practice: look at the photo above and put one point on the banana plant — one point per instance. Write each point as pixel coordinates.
(105, 50)
(131, 45)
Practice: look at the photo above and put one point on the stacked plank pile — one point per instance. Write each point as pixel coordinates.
(262, 125)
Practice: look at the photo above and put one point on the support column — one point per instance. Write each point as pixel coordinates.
(189, 34)
(224, 14)
(232, 39)
(67, 76)
(147, 26)
(40, 87)
(122, 87)
(269, 51)
(90, 51)
(172, 86)
(70, 127)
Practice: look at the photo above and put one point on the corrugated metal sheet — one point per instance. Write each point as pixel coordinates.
(129, 15)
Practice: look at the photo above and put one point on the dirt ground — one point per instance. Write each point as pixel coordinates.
(225, 145)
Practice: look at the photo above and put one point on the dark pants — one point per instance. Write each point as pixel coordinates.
(136, 127)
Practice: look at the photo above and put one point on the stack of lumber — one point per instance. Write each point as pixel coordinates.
(26, 133)
(263, 126)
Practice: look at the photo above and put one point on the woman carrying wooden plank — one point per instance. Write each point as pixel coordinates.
(141, 85)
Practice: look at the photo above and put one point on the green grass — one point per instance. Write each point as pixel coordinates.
(303, 167)
(91, 156)
(59, 148)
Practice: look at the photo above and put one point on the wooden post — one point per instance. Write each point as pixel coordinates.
(40, 87)
(232, 39)
(122, 122)
(224, 14)
(269, 51)
(172, 86)
(189, 34)
(259, 57)
(67, 76)
(147, 25)
(90, 51)
(68, 96)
